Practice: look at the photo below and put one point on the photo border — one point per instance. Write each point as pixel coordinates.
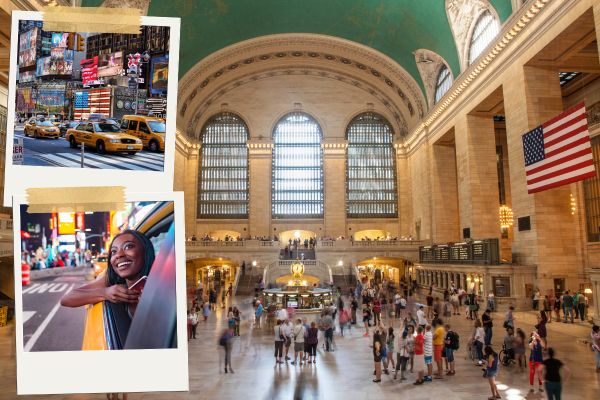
(141, 370)
(20, 177)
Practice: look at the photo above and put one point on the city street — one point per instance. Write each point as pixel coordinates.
(48, 326)
(57, 153)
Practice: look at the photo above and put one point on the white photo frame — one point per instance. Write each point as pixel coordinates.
(141, 370)
(20, 177)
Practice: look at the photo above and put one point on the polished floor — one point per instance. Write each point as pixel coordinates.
(345, 373)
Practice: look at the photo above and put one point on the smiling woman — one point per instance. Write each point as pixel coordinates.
(130, 260)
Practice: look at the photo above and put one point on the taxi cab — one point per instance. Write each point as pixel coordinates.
(150, 130)
(41, 128)
(100, 264)
(104, 136)
(106, 330)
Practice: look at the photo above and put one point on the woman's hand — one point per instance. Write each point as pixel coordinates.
(120, 294)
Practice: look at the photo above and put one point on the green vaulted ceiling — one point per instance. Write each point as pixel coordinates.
(394, 27)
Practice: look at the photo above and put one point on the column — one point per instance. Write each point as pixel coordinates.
(444, 201)
(259, 218)
(532, 97)
(405, 215)
(595, 279)
(187, 159)
(477, 176)
(334, 176)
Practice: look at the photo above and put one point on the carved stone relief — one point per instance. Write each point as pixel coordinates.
(429, 64)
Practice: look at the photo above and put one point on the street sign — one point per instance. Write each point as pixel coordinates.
(132, 83)
(18, 151)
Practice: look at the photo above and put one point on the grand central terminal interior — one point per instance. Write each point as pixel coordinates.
(325, 148)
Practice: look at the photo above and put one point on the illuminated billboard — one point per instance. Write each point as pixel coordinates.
(28, 43)
(66, 223)
(110, 64)
(159, 78)
(89, 70)
(60, 62)
(59, 39)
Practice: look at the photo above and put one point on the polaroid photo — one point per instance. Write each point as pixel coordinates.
(101, 291)
(83, 105)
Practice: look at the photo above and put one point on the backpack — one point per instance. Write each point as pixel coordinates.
(454, 341)
(223, 341)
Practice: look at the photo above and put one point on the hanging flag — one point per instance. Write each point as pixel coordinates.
(559, 151)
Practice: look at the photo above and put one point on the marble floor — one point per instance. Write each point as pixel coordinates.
(345, 373)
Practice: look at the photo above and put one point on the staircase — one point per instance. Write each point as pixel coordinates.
(345, 282)
(246, 284)
(309, 254)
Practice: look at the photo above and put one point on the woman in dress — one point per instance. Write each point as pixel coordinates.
(519, 348)
(491, 370)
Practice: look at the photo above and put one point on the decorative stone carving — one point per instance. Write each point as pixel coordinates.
(140, 4)
(429, 64)
(462, 16)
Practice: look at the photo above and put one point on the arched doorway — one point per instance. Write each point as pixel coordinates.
(213, 273)
(379, 269)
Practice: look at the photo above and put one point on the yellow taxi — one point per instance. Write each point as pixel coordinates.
(100, 264)
(104, 137)
(150, 130)
(39, 128)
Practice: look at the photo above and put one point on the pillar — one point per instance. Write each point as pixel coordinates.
(405, 214)
(334, 176)
(259, 215)
(595, 279)
(532, 97)
(477, 176)
(444, 201)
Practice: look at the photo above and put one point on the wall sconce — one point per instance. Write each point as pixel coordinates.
(476, 279)
(340, 263)
(468, 278)
(573, 203)
(506, 216)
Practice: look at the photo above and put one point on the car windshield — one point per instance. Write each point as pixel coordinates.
(157, 127)
(106, 127)
(73, 124)
(44, 123)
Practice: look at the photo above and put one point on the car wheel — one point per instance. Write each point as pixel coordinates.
(72, 142)
(153, 146)
(100, 148)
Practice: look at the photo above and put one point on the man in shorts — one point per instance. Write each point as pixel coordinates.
(428, 352)
(419, 362)
(298, 332)
(439, 334)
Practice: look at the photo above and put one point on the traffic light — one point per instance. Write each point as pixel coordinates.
(80, 42)
(71, 41)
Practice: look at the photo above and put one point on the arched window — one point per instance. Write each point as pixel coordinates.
(371, 168)
(223, 177)
(297, 190)
(443, 83)
(486, 29)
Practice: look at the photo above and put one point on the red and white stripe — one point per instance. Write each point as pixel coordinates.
(568, 152)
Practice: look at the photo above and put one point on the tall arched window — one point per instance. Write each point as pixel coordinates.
(297, 190)
(223, 177)
(486, 29)
(443, 83)
(371, 168)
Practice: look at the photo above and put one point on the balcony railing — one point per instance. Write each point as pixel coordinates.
(234, 243)
(345, 243)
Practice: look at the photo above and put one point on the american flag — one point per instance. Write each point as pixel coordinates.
(559, 152)
(92, 101)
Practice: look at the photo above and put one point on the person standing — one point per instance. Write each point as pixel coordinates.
(401, 348)
(557, 308)
(567, 301)
(552, 378)
(377, 355)
(491, 301)
(279, 340)
(194, 320)
(313, 339)
(536, 299)
(519, 347)
(419, 356)
(428, 353)
(541, 327)
(421, 320)
(287, 333)
(237, 318)
(366, 318)
(353, 308)
(299, 332)
(328, 327)
(486, 320)
(439, 335)
(595, 345)
(581, 306)
(509, 321)
(376, 312)
(451, 341)
(478, 340)
(226, 341)
(491, 370)
(535, 360)
(206, 310)
(258, 313)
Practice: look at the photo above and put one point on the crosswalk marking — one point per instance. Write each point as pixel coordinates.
(92, 160)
